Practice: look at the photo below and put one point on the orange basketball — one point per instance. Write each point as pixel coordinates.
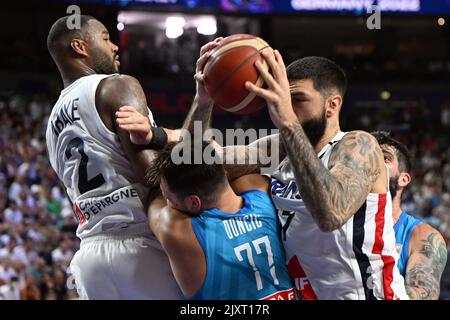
(230, 65)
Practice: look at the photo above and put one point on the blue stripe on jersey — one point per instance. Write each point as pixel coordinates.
(403, 230)
(244, 254)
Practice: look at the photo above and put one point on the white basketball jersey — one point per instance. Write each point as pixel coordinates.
(90, 161)
(356, 261)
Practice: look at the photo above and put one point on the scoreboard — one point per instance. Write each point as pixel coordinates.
(352, 7)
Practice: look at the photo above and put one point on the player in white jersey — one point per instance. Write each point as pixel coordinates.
(332, 189)
(102, 170)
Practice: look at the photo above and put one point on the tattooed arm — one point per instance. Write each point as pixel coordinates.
(241, 160)
(427, 259)
(333, 195)
(200, 111)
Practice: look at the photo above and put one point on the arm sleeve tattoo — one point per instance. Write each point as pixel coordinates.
(425, 267)
(333, 194)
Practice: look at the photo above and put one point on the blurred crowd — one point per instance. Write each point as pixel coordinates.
(37, 225)
(428, 196)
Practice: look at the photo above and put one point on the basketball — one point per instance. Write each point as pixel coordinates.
(230, 65)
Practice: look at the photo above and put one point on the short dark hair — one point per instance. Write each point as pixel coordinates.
(402, 152)
(59, 36)
(204, 180)
(325, 74)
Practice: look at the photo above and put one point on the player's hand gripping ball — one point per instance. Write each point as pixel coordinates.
(229, 66)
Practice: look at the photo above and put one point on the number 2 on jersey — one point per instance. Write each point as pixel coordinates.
(84, 184)
(257, 245)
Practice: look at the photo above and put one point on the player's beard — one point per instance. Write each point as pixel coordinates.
(315, 128)
(393, 186)
(103, 65)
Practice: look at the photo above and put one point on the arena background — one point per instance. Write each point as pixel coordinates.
(399, 78)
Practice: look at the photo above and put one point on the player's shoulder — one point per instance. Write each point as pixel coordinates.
(116, 90)
(424, 232)
(359, 137)
(357, 144)
(255, 195)
(426, 239)
(259, 201)
(254, 181)
(117, 82)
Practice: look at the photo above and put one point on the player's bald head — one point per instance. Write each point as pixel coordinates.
(60, 35)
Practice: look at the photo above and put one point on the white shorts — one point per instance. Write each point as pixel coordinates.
(118, 266)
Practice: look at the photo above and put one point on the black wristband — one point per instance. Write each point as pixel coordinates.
(159, 138)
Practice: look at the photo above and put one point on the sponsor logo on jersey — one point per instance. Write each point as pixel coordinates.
(86, 209)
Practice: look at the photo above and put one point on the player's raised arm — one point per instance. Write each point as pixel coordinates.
(202, 105)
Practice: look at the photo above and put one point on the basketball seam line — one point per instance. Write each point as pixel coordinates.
(234, 70)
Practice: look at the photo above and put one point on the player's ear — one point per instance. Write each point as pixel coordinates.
(404, 179)
(334, 104)
(193, 202)
(79, 46)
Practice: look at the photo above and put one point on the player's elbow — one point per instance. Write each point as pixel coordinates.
(330, 223)
(326, 226)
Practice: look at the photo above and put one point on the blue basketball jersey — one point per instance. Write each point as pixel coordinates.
(244, 254)
(403, 229)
